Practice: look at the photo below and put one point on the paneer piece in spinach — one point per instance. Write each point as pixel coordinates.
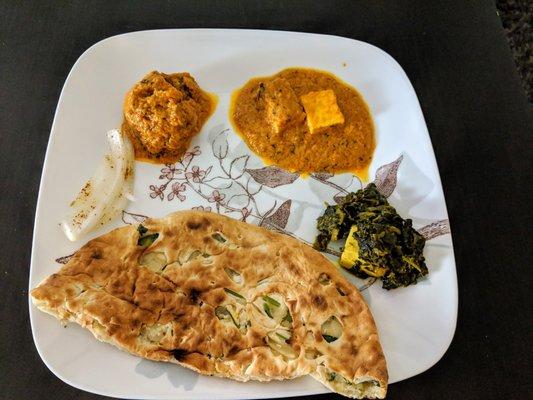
(379, 243)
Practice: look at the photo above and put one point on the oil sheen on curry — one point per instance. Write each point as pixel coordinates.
(305, 120)
(162, 113)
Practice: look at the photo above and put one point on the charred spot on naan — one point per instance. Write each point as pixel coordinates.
(200, 223)
(179, 354)
(194, 295)
(319, 302)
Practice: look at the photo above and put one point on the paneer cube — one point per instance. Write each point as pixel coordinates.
(350, 255)
(282, 107)
(322, 109)
(351, 250)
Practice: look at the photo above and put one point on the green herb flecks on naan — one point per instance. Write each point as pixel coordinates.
(379, 243)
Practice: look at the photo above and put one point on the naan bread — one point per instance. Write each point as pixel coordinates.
(223, 298)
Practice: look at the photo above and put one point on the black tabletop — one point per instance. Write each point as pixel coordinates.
(480, 123)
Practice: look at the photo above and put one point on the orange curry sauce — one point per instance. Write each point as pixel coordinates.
(268, 113)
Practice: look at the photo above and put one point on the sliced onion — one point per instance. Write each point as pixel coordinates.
(106, 193)
(281, 348)
(234, 275)
(331, 329)
(280, 335)
(154, 261)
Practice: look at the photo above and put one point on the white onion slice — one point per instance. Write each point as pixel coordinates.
(106, 193)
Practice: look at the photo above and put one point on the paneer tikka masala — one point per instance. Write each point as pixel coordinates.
(305, 120)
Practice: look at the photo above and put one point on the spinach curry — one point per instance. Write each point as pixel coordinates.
(305, 120)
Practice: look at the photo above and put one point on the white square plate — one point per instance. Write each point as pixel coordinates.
(416, 324)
